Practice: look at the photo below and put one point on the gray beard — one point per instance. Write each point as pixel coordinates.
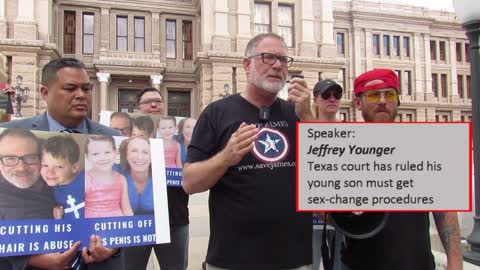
(270, 87)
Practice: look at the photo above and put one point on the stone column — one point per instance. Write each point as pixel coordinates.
(105, 30)
(430, 114)
(156, 82)
(307, 43)
(357, 52)
(243, 22)
(421, 114)
(368, 49)
(453, 70)
(155, 33)
(221, 37)
(327, 43)
(206, 25)
(428, 69)
(3, 21)
(25, 25)
(104, 79)
(419, 76)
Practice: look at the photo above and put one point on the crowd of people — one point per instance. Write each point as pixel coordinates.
(253, 222)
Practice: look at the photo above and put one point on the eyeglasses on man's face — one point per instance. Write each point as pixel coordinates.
(390, 95)
(156, 101)
(14, 160)
(270, 59)
(125, 130)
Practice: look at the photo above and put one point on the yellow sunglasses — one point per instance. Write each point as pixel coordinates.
(390, 95)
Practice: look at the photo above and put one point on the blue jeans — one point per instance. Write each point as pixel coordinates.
(171, 256)
(317, 237)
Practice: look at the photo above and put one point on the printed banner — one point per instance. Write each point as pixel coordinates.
(175, 132)
(384, 167)
(58, 188)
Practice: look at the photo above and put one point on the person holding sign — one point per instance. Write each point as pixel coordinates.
(150, 101)
(172, 256)
(67, 91)
(404, 242)
(243, 151)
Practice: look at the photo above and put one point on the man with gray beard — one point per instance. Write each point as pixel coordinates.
(23, 195)
(243, 151)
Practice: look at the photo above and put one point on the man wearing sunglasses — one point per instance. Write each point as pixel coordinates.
(404, 242)
(243, 151)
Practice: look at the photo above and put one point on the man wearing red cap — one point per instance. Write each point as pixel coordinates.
(404, 242)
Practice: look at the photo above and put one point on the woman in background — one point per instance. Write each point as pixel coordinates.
(326, 95)
(185, 130)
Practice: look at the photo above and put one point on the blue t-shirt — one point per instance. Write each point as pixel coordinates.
(72, 197)
(142, 204)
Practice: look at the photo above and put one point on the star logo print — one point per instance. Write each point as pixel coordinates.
(269, 144)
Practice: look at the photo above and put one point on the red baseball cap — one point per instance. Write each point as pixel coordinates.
(386, 79)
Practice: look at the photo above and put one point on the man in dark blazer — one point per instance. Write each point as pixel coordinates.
(67, 90)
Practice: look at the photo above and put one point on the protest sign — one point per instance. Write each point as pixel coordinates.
(57, 188)
(156, 126)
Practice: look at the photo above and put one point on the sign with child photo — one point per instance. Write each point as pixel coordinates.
(57, 189)
(176, 133)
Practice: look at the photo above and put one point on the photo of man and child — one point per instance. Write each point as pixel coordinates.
(76, 179)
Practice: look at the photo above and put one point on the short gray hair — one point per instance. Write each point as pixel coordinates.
(252, 44)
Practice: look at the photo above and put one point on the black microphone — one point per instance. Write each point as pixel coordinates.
(296, 76)
(264, 114)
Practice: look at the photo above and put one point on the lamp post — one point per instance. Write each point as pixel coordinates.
(21, 95)
(468, 12)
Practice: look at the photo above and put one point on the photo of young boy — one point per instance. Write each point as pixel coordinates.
(61, 170)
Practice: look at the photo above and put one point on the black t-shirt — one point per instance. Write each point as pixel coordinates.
(253, 222)
(403, 244)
